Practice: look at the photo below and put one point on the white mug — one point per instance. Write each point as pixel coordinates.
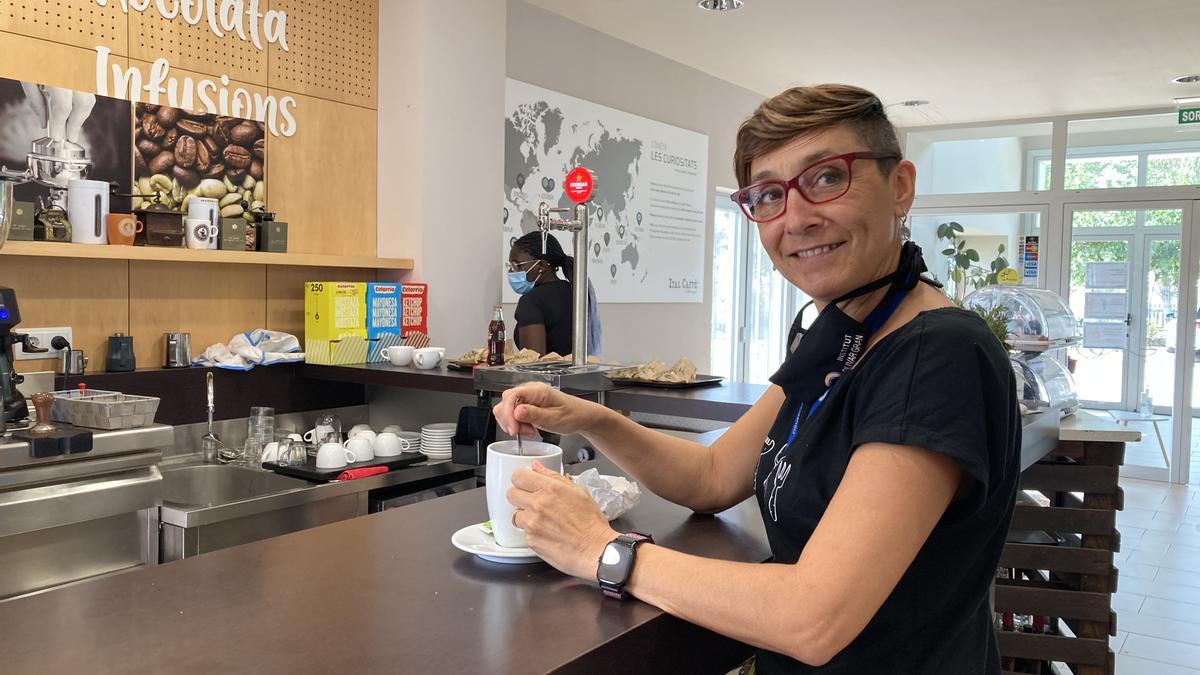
(399, 355)
(334, 456)
(357, 428)
(206, 208)
(392, 429)
(87, 209)
(361, 447)
(389, 444)
(502, 461)
(428, 358)
(199, 233)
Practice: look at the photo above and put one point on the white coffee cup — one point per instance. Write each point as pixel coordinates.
(399, 355)
(392, 429)
(206, 208)
(199, 233)
(87, 209)
(318, 433)
(367, 434)
(357, 428)
(428, 357)
(361, 447)
(388, 444)
(502, 461)
(334, 456)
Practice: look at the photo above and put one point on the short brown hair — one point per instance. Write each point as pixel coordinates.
(802, 111)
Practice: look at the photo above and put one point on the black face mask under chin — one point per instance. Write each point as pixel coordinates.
(835, 342)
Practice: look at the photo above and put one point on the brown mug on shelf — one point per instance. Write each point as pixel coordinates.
(122, 227)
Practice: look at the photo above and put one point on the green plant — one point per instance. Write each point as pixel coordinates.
(996, 318)
(961, 261)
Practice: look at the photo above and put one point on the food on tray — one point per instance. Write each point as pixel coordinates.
(684, 371)
(479, 357)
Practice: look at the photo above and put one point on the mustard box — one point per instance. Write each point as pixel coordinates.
(334, 309)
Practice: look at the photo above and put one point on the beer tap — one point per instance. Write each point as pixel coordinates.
(578, 227)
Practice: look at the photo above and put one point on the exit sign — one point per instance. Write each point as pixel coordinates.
(1189, 115)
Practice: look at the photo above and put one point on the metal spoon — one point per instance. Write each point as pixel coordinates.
(520, 450)
(210, 445)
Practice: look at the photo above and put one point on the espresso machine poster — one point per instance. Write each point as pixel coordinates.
(59, 135)
(179, 154)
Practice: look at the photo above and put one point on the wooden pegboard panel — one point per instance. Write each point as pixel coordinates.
(196, 48)
(80, 23)
(333, 50)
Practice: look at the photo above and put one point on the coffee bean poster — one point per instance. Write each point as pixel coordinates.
(59, 135)
(179, 154)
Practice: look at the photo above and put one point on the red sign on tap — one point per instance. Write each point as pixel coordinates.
(578, 185)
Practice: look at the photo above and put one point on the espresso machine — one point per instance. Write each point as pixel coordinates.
(14, 407)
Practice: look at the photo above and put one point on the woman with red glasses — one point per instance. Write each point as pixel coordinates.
(884, 457)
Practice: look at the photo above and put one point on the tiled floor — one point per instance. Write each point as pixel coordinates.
(1158, 598)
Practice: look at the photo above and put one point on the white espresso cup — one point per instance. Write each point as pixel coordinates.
(392, 429)
(334, 456)
(357, 428)
(399, 355)
(502, 461)
(428, 357)
(388, 444)
(361, 447)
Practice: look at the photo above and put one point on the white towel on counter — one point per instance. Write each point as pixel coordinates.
(257, 347)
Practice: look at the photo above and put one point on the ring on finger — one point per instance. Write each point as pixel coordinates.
(513, 518)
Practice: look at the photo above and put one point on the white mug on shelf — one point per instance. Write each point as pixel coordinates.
(319, 434)
(391, 429)
(206, 208)
(199, 233)
(334, 456)
(87, 209)
(366, 433)
(357, 428)
(388, 444)
(399, 355)
(361, 447)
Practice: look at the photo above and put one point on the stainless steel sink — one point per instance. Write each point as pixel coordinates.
(217, 484)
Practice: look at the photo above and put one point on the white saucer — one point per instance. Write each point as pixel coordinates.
(473, 539)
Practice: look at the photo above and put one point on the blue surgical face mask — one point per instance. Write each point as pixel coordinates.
(519, 282)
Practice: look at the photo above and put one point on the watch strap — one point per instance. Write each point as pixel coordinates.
(616, 590)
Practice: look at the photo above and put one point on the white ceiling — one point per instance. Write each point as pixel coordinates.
(973, 59)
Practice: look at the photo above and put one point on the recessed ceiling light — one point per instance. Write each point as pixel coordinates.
(720, 5)
(1187, 79)
(913, 103)
(1185, 100)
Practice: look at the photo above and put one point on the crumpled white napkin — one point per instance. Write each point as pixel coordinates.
(615, 495)
(257, 347)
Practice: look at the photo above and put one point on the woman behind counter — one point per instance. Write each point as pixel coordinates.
(543, 313)
(884, 456)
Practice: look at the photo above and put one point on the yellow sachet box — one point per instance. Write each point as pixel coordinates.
(333, 309)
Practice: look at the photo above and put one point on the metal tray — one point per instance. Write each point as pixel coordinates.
(700, 381)
(309, 470)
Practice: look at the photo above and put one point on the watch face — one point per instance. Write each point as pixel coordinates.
(612, 563)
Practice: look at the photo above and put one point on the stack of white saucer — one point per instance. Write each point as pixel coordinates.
(437, 440)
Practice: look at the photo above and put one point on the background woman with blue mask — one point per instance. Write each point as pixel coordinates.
(543, 312)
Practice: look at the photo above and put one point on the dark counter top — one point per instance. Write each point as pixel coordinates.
(725, 402)
(381, 593)
(387, 375)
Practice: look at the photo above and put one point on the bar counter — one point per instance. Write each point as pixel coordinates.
(381, 593)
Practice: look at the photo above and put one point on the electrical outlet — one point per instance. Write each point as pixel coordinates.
(43, 336)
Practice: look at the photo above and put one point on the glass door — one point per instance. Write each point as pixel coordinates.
(1125, 283)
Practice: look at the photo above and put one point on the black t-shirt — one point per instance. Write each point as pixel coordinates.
(944, 383)
(548, 304)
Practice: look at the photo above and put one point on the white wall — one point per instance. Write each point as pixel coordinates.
(549, 51)
(441, 71)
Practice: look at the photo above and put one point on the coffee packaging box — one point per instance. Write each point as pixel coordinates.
(22, 222)
(272, 236)
(335, 317)
(232, 235)
(383, 309)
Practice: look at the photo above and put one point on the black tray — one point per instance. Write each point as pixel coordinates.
(455, 365)
(309, 470)
(700, 381)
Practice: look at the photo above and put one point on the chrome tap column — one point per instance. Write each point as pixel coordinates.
(578, 227)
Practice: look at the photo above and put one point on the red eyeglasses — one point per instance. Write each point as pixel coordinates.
(820, 182)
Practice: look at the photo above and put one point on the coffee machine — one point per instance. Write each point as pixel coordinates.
(13, 406)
